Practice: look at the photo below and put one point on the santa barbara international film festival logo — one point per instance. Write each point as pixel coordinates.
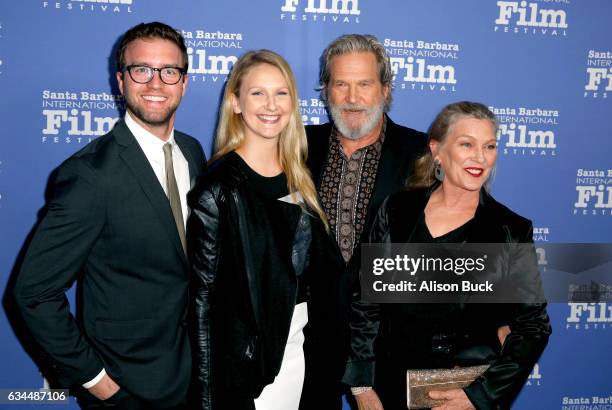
(591, 402)
(532, 18)
(320, 11)
(211, 54)
(589, 316)
(535, 377)
(599, 74)
(541, 234)
(77, 117)
(527, 131)
(99, 6)
(425, 66)
(593, 192)
(313, 111)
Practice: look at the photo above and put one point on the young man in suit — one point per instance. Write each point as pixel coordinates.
(115, 220)
(362, 156)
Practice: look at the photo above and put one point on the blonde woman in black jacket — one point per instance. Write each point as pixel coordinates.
(267, 273)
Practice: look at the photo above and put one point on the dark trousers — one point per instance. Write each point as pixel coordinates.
(390, 385)
(121, 400)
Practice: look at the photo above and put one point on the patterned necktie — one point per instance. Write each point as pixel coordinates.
(173, 195)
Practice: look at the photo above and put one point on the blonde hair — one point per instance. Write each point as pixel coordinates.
(292, 144)
(424, 167)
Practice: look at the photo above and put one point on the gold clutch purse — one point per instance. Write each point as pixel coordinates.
(421, 382)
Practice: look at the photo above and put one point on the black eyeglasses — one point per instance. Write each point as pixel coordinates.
(142, 74)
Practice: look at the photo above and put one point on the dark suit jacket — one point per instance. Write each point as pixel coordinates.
(109, 224)
(402, 146)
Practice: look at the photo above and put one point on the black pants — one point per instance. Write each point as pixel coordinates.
(390, 385)
(121, 400)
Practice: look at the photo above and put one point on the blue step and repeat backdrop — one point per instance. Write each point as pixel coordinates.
(544, 66)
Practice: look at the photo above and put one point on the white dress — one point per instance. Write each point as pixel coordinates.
(285, 392)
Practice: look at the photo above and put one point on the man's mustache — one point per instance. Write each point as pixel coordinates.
(352, 107)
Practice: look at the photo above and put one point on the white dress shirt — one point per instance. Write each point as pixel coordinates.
(152, 147)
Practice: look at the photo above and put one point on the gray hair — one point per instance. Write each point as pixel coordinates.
(355, 43)
(423, 175)
(452, 112)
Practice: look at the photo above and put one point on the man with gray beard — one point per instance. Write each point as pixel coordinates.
(356, 162)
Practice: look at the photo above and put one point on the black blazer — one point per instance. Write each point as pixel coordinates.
(242, 313)
(402, 146)
(382, 333)
(109, 224)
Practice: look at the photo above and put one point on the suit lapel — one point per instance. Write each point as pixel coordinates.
(486, 217)
(137, 162)
(318, 150)
(390, 167)
(410, 216)
(193, 167)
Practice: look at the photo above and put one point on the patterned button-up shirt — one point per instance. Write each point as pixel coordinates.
(346, 187)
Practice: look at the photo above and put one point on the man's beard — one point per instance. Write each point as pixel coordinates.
(373, 116)
(154, 120)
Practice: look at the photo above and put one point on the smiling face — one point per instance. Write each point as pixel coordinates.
(264, 101)
(152, 105)
(356, 97)
(468, 153)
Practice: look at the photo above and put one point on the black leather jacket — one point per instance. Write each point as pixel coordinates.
(242, 314)
(383, 332)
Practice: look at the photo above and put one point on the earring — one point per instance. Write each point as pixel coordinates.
(438, 171)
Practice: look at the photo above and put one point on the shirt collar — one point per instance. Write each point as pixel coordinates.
(150, 144)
